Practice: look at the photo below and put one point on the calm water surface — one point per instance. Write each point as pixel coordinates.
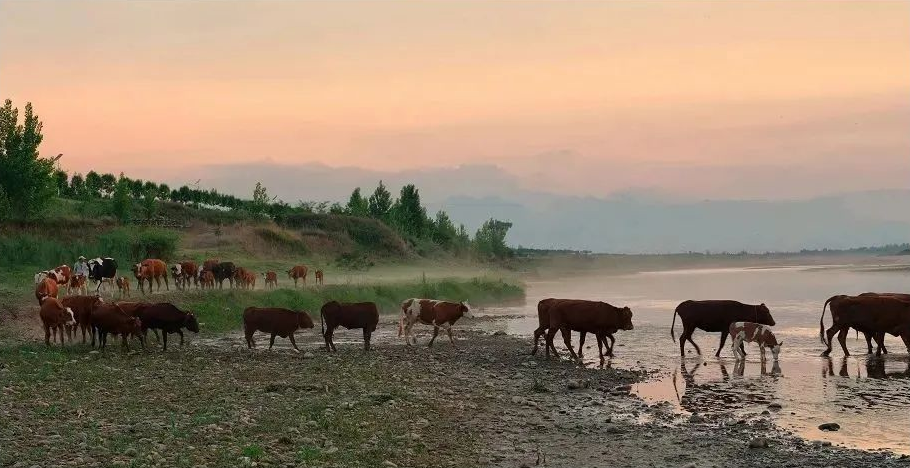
(869, 397)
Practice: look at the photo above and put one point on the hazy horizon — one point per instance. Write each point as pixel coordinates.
(697, 100)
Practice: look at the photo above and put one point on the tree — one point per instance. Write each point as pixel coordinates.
(93, 184)
(164, 192)
(26, 178)
(490, 240)
(62, 181)
(409, 216)
(122, 203)
(260, 199)
(77, 186)
(6, 210)
(108, 181)
(136, 187)
(443, 232)
(149, 205)
(380, 202)
(357, 205)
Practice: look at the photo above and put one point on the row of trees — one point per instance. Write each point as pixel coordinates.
(29, 182)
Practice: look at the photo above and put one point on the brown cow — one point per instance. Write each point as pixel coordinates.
(77, 282)
(249, 279)
(45, 288)
(54, 316)
(276, 321)
(348, 315)
(207, 279)
(110, 318)
(271, 279)
(64, 273)
(594, 317)
(151, 269)
(543, 318)
(298, 272)
(123, 285)
(715, 316)
(320, 277)
(209, 265)
(245, 278)
(82, 310)
(430, 312)
(878, 314)
(189, 272)
(166, 317)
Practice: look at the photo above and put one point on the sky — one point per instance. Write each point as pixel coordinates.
(696, 99)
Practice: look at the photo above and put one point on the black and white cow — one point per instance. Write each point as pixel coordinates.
(101, 269)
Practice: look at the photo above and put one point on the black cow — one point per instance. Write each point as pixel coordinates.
(100, 269)
(224, 271)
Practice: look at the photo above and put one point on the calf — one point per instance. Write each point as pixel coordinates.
(595, 317)
(271, 279)
(167, 318)
(123, 285)
(177, 275)
(54, 316)
(298, 272)
(275, 321)
(715, 316)
(82, 307)
(111, 319)
(363, 315)
(151, 269)
(206, 279)
(77, 282)
(189, 271)
(757, 333)
(320, 277)
(45, 288)
(430, 312)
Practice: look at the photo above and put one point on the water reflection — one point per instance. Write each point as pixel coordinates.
(876, 367)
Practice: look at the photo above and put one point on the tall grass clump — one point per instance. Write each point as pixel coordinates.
(221, 310)
(126, 244)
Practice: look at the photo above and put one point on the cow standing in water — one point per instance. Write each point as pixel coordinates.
(715, 316)
(595, 317)
(753, 333)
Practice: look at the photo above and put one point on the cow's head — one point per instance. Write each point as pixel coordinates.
(176, 269)
(191, 323)
(625, 322)
(775, 350)
(71, 320)
(763, 315)
(466, 310)
(304, 320)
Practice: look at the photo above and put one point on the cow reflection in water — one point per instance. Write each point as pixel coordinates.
(875, 369)
(724, 392)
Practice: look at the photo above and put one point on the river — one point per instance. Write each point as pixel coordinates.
(869, 397)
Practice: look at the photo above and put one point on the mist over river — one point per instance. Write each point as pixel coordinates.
(869, 397)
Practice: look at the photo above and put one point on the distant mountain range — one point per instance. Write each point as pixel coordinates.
(637, 221)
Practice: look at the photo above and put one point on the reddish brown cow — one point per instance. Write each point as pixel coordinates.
(189, 272)
(64, 273)
(245, 278)
(363, 315)
(430, 312)
(54, 316)
(77, 282)
(298, 272)
(82, 310)
(543, 318)
(45, 288)
(207, 279)
(275, 321)
(271, 279)
(878, 314)
(320, 277)
(151, 269)
(594, 317)
(111, 319)
(715, 316)
(209, 265)
(123, 285)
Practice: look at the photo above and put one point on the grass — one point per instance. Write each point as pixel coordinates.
(220, 310)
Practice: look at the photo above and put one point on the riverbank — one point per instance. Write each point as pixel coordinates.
(484, 403)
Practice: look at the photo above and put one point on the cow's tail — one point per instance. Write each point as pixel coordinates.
(821, 323)
(673, 325)
(322, 321)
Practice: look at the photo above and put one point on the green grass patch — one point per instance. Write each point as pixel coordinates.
(220, 310)
(125, 244)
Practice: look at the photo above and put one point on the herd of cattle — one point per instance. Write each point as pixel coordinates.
(873, 314)
(103, 271)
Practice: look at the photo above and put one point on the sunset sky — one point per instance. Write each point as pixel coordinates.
(753, 99)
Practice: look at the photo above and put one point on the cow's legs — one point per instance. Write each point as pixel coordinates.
(47, 335)
(272, 341)
(164, 338)
(842, 339)
(879, 342)
(687, 335)
(180, 332)
(830, 335)
(366, 338)
(250, 343)
(293, 343)
(723, 339)
(449, 331)
(435, 333)
(537, 334)
(551, 333)
(567, 338)
(612, 343)
(581, 341)
(600, 348)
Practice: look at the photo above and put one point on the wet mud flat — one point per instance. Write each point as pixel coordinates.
(483, 403)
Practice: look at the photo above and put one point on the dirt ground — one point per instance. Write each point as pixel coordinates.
(484, 403)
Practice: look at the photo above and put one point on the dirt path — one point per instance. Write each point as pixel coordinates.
(483, 403)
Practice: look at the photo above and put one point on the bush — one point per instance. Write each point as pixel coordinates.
(41, 250)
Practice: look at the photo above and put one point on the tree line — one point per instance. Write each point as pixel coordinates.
(28, 183)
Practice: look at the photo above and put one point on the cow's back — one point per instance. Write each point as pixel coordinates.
(161, 315)
(715, 315)
(270, 320)
(357, 315)
(584, 315)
